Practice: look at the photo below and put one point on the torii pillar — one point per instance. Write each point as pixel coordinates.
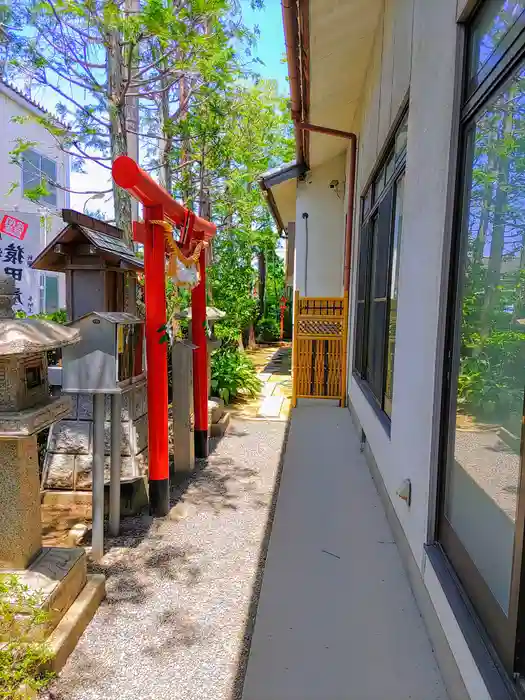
(159, 206)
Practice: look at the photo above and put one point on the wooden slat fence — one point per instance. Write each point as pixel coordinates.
(319, 348)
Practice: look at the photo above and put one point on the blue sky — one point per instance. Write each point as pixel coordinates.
(270, 46)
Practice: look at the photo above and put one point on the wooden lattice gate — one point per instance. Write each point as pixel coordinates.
(319, 348)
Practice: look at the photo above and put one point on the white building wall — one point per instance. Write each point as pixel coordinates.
(427, 64)
(10, 173)
(319, 255)
(407, 61)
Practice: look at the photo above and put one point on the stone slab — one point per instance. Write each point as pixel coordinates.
(267, 389)
(271, 407)
(85, 406)
(141, 463)
(71, 437)
(125, 439)
(84, 466)
(139, 402)
(60, 471)
(140, 441)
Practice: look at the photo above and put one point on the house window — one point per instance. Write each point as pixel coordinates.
(38, 170)
(482, 513)
(376, 304)
(49, 297)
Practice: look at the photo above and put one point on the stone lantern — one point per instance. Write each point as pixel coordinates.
(26, 408)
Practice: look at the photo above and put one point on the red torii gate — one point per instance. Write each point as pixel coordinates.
(160, 206)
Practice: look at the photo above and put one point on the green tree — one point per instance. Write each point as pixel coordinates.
(99, 57)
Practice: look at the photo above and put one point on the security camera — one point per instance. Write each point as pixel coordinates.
(334, 184)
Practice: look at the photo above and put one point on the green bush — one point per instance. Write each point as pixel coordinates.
(59, 316)
(22, 660)
(233, 374)
(268, 329)
(488, 384)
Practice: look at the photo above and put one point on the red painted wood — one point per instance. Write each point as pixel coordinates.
(200, 357)
(156, 352)
(138, 183)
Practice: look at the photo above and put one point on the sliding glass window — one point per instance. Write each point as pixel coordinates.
(376, 304)
(481, 525)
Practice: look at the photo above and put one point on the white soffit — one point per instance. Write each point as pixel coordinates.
(341, 41)
(284, 195)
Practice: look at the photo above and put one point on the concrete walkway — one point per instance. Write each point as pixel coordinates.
(336, 618)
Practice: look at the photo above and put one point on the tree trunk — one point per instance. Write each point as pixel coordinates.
(479, 244)
(132, 117)
(118, 133)
(166, 171)
(498, 231)
(261, 258)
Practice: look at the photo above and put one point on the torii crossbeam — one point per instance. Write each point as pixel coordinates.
(160, 206)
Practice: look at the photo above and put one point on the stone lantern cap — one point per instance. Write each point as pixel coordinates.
(26, 336)
(212, 314)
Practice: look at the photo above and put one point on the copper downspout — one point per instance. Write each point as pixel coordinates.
(291, 38)
(303, 126)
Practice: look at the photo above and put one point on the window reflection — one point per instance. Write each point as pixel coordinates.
(392, 306)
(493, 25)
(484, 477)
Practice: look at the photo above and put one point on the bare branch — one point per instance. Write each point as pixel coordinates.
(144, 70)
(69, 98)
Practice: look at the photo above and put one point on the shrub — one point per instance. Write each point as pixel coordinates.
(59, 316)
(22, 660)
(268, 329)
(490, 383)
(233, 374)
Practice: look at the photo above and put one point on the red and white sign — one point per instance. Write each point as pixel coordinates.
(18, 248)
(13, 227)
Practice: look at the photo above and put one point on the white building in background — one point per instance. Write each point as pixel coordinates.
(27, 226)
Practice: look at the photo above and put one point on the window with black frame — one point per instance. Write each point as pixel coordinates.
(482, 509)
(39, 172)
(378, 272)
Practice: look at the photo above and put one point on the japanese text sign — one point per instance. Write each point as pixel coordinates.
(16, 228)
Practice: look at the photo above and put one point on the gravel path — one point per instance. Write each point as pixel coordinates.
(182, 591)
(492, 464)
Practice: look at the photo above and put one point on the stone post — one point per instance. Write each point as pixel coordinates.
(20, 522)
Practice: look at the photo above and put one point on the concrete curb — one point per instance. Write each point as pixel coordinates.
(65, 636)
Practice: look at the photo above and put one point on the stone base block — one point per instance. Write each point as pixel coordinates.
(70, 448)
(57, 575)
(133, 498)
(218, 429)
(215, 410)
